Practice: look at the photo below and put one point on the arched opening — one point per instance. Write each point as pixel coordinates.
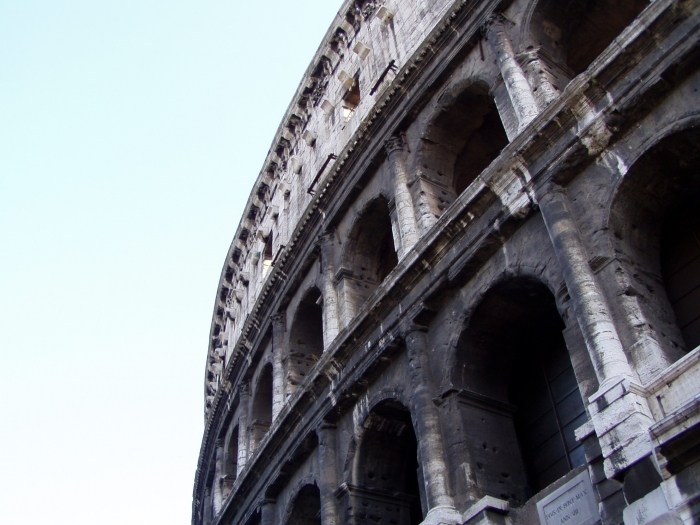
(386, 480)
(369, 257)
(230, 463)
(462, 140)
(520, 397)
(656, 228)
(305, 338)
(571, 34)
(306, 509)
(262, 407)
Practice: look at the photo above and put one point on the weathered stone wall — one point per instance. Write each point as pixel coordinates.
(486, 300)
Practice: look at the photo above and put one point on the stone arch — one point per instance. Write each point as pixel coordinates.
(305, 506)
(569, 35)
(502, 268)
(305, 337)
(464, 135)
(231, 460)
(656, 234)
(261, 410)
(516, 391)
(385, 479)
(368, 257)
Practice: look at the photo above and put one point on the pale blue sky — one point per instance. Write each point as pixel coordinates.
(130, 135)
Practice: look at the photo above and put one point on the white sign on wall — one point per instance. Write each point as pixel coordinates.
(572, 504)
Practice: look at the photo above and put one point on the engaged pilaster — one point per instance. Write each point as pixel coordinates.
(328, 475)
(402, 196)
(519, 90)
(330, 294)
(278, 355)
(243, 431)
(440, 504)
(619, 398)
(218, 497)
(267, 512)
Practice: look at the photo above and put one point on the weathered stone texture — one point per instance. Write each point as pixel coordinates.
(468, 276)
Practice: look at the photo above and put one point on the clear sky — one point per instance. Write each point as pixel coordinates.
(130, 135)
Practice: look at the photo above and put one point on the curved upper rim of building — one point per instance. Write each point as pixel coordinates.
(272, 161)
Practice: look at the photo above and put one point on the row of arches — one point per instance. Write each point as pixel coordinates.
(511, 354)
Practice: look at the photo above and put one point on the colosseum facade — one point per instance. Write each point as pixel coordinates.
(466, 285)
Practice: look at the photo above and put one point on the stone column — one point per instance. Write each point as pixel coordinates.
(544, 91)
(278, 354)
(217, 493)
(591, 309)
(328, 475)
(330, 294)
(402, 196)
(267, 512)
(243, 430)
(440, 504)
(518, 88)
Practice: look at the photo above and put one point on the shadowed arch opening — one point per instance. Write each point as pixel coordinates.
(519, 400)
(262, 407)
(306, 509)
(369, 257)
(656, 228)
(305, 338)
(571, 34)
(230, 463)
(464, 137)
(386, 481)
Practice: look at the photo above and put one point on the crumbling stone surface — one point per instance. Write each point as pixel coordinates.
(466, 286)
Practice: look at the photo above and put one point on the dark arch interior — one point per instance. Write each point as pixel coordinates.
(306, 336)
(262, 406)
(467, 134)
(387, 464)
(656, 224)
(306, 509)
(575, 32)
(680, 266)
(372, 254)
(513, 352)
(231, 465)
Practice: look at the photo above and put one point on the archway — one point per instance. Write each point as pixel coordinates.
(386, 478)
(656, 231)
(230, 463)
(369, 257)
(262, 407)
(306, 509)
(463, 138)
(571, 34)
(520, 401)
(305, 338)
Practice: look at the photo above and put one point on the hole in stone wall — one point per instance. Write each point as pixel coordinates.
(267, 255)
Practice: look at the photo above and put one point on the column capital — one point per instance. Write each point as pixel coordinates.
(278, 321)
(413, 328)
(244, 389)
(394, 143)
(494, 19)
(327, 425)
